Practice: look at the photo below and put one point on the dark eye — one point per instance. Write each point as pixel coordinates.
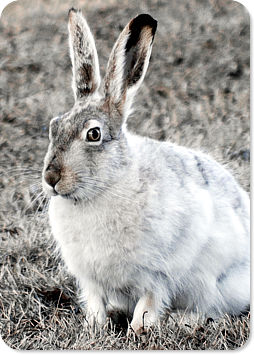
(94, 134)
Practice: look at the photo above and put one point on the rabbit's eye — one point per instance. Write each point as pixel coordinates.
(94, 134)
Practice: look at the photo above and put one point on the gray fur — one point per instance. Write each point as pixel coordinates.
(144, 225)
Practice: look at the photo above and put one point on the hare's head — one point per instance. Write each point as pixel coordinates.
(87, 145)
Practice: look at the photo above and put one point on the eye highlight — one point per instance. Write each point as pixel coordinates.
(94, 134)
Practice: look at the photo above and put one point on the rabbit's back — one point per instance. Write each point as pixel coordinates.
(182, 168)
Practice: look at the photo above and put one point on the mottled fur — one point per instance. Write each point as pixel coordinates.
(142, 225)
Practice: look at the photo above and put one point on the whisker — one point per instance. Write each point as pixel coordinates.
(33, 201)
(115, 193)
(40, 204)
(24, 170)
(116, 190)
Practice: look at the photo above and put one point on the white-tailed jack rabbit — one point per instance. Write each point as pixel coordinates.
(143, 225)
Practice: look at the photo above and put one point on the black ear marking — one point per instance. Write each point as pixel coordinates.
(136, 25)
(141, 35)
(72, 9)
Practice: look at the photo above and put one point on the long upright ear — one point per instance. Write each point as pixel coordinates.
(85, 64)
(128, 63)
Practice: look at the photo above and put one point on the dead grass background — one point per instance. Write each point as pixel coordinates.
(196, 93)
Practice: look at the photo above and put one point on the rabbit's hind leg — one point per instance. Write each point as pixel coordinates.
(234, 286)
(145, 314)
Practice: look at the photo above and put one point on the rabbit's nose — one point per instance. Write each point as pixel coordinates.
(52, 177)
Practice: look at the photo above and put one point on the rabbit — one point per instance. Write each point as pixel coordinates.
(144, 226)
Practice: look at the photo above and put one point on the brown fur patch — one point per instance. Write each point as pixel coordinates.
(67, 181)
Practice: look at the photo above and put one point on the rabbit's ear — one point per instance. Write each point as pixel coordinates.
(128, 63)
(85, 64)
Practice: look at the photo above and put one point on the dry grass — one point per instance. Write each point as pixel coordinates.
(196, 93)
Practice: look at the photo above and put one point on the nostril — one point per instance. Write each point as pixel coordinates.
(51, 166)
(52, 177)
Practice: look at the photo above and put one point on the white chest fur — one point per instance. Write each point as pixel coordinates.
(96, 241)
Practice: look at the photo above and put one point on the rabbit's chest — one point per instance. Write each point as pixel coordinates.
(95, 242)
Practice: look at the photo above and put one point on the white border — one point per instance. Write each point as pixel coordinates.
(249, 4)
(3, 4)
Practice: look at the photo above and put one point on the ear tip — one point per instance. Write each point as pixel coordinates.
(145, 20)
(73, 10)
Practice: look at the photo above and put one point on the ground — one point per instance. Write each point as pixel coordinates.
(196, 93)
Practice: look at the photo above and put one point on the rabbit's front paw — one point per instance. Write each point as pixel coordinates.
(95, 314)
(95, 321)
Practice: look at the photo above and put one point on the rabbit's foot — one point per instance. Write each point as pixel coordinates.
(140, 328)
(94, 322)
(145, 314)
(96, 316)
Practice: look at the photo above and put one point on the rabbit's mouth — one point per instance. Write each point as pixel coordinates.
(56, 191)
(69, 196)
